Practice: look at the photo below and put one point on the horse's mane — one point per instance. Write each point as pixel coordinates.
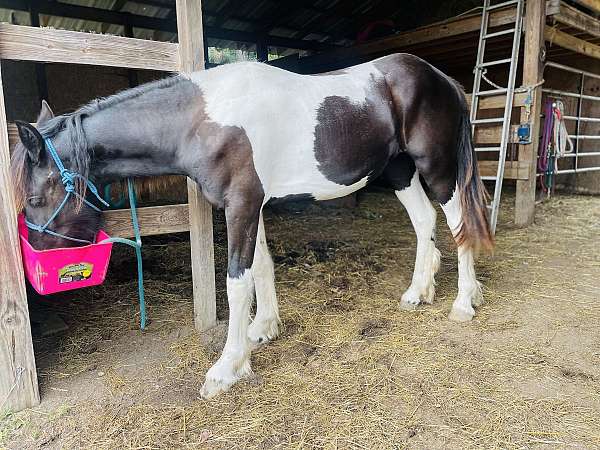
(72, 124)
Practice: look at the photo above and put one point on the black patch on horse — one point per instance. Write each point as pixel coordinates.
(355, 140)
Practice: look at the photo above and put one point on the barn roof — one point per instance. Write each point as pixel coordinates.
(299, 24)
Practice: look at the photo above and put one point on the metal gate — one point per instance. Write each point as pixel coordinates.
(585, 158)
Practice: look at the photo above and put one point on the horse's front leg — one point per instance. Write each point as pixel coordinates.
(242, 217)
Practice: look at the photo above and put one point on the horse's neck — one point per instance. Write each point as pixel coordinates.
(140, 137)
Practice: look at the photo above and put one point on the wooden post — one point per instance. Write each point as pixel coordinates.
(18, 378)
(191, 54)
(40, 68)
(132, 76)
(535, 20)
(262, 51)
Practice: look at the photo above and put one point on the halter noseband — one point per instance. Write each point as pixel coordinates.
(68, 180)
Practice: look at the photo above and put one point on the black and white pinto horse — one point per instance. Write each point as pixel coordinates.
(249, 133)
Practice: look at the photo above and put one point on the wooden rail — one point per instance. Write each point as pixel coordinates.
(49, 45)
(153, 220)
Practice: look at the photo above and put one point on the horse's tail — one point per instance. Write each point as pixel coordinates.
(475, 228)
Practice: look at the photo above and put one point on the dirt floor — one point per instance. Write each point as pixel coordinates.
(351, 370)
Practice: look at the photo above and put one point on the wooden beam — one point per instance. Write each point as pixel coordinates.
(534, 26)
(565, 40)
(435, 32)
(18, 377)
(50, 45)
(593, 5)
(153, 220)
(191, 51)
(498, 101)
(490, 134)
(567, 15)
(154, 23)
(513, 170)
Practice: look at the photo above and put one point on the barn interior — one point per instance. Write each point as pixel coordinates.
(350, 369)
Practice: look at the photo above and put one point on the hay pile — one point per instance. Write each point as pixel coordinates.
(350, 369)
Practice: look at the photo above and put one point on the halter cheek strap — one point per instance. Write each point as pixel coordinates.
(68, 180)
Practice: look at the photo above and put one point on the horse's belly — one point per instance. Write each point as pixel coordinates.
(297, 171)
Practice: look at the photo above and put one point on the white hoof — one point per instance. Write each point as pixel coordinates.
(410, 300)
(460, 314)
(477, 298)
(223, 375)
(262, 331)
(429, 294)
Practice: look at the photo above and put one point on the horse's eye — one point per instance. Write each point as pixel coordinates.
(36, 202)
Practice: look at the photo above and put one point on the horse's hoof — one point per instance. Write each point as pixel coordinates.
(261, 332)
(461, 315)
(408, 306)
(477, 299)
(227, 371)
(213, 387)
(429, 296)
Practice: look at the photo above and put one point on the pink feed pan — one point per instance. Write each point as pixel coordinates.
(64, 269)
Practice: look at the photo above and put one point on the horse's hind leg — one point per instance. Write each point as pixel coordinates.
(404, 178)
(469, 289)
(442, 181)
(265, 326)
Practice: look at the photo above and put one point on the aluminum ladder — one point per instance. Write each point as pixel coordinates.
(480, 70)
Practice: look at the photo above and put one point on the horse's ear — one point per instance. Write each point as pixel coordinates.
(32, 140)
(45, 113)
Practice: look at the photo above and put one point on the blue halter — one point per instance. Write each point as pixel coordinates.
(68, 179)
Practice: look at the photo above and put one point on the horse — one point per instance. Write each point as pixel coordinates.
(248, 133)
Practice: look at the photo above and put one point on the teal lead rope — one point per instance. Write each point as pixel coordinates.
(137, 245)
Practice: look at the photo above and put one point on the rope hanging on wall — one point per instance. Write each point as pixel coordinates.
(555, 141)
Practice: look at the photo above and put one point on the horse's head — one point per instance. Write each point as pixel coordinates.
(40, 190)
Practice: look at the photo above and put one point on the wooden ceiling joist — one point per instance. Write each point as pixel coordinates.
(573, 17)
(565, 40)
(593, 5)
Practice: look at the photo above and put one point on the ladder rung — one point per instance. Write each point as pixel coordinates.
(487, 149)
(488, 178)
(493, 120)
(492, 92)
(499, 33)
(495, 63)
(502, 5)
